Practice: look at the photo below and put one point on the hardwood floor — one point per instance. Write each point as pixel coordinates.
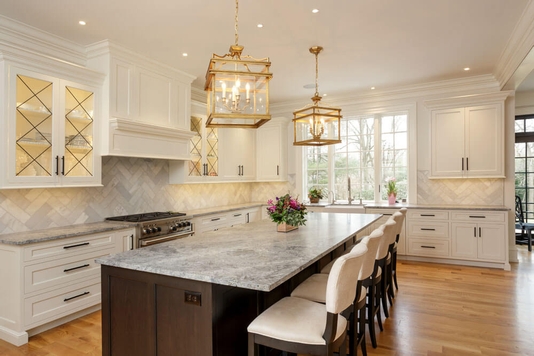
(439, 310)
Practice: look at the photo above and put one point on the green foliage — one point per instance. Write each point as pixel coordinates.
(287, 210)
(316, 193)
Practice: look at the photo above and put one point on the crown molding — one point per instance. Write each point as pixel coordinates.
(14, 34)
(451, 87)
(464, 100)
(198, 95)
(107, 47)
(518, 46)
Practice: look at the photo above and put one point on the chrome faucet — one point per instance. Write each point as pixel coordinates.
(333, 197)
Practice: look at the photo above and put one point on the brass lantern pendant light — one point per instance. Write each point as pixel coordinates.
(317, 125)
(237, 88)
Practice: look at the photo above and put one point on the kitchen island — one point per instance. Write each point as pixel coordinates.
(196, 296)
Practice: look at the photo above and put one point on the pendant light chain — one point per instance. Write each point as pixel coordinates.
(316, 74)
(236, 19)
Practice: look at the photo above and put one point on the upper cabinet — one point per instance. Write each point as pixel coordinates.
(146, 105)
(271, 152)
(238, 154)
(467, 141)
(51, 131)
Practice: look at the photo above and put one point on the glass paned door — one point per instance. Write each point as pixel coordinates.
(79, 130)
(212, 152)
(195, 164)
(33, 127)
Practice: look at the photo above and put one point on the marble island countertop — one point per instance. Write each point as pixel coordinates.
(252, 256)
(54, 233)
(385, 205)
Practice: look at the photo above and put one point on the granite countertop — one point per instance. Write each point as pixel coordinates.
(54, 233)
(252, 256)
(221, 209)
(438, 207)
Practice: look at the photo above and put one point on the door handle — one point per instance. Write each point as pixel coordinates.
(423, 246)
(57, 165)
(479, 232)
(475, 232)
(467, 163)
(277, 170)
(78, 267)
(63, 165)
(427, 229)
(462, 163)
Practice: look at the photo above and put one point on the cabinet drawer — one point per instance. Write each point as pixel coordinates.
(428, 228)
(427, 214)
(54, 273)
(478, 217)
(236, 218)
(53, 305)
(213, 222)
(68, 247)
(428, 247)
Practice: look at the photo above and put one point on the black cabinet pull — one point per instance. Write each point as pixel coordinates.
(427, 229)
(131, 242)
(236, 215)
(277, 170)
(77, 245)
(477, 216)
(423, 246)
(467, 164)
(428, 215)
(57, 165)
(479, 232)
(475, 232)
(215, 219)
(242, 170)
(76, 296)
(73, 268)
(62, 165)
(462, 163)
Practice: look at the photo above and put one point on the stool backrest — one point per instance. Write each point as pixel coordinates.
(342, 280)
(388, 228)
(399, 219)
(372, 242)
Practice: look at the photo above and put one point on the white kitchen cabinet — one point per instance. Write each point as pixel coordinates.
(483, 241)
(51, 282)
(468, 141)
(203, 163)
(146, 105)
(271, 153)
(237, 154)
(386, 214)
(223, 219)
(427, 233)
(51, 133)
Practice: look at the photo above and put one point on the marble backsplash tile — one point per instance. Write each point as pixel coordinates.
(130, 185)
(470, 191)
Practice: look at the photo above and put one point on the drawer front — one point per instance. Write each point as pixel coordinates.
(213, 222)
(428, 247)
(478, 217)
(68, 247)
(236, 218)
(53, 305)
(427, 214)
(438, 229)
(45, 275)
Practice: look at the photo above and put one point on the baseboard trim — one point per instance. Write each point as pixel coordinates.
(501, 265)
(13, 337)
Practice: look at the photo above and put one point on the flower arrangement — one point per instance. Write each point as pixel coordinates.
(391, 185)
(315, 194)
(286, 209)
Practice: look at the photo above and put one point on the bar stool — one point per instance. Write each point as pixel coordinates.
(394, 255)
(314, 289)
(301, 326)
(382, 256)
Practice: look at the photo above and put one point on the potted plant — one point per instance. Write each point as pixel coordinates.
(315, 194)
(287, 213)
(391, 186)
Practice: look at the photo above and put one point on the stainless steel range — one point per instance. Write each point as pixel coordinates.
(157, 227)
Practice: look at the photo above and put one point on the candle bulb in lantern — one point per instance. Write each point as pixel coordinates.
(224, 90)
(248, 91)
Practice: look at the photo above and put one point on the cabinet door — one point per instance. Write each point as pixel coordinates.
(491, 242)
(484, 141)
(204, 152)
(237, 153)
(464, 240)
(269, 153)
(447, 143)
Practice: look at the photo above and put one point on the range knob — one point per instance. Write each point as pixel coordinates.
(146, 231)
(153, 230)
(173, 228)
(158, 229)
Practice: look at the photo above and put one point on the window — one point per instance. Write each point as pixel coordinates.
(524, 163)
(373, 148)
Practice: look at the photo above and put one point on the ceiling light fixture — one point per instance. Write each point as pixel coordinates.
(316, 125)
(237, 88)
(467, 68)
(260, 25)
(184, 54)
(81, 22)
(315, 11)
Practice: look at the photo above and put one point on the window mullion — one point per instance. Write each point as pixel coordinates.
(378, 156)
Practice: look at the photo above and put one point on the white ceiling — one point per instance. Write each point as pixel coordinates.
(380, 43)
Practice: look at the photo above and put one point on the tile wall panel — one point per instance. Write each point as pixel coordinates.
(130, 185)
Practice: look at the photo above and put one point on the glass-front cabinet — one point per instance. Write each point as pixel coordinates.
(51, 133)
(204, 151)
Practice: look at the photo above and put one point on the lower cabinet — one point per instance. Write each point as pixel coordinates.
(51, 280)
(218, 220)
(461, 236)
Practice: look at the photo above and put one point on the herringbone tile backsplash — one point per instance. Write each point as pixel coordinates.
(130, 185)
(459, 191)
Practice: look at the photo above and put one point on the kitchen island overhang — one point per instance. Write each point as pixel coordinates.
(197, 295)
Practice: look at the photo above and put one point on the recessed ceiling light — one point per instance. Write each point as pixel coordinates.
(324, 94)
(184, 54)
(260, 25)
(467, 68)
(81, 22)
(372, 88)
(315, 11)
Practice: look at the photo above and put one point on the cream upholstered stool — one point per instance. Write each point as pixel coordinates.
(381, 260)
(301, 326)
(392, 259)
(314, 289)
(394, 254)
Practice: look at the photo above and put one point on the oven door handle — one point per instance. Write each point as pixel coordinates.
(148, 242)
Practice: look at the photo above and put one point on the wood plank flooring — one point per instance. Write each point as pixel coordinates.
(439, 310)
